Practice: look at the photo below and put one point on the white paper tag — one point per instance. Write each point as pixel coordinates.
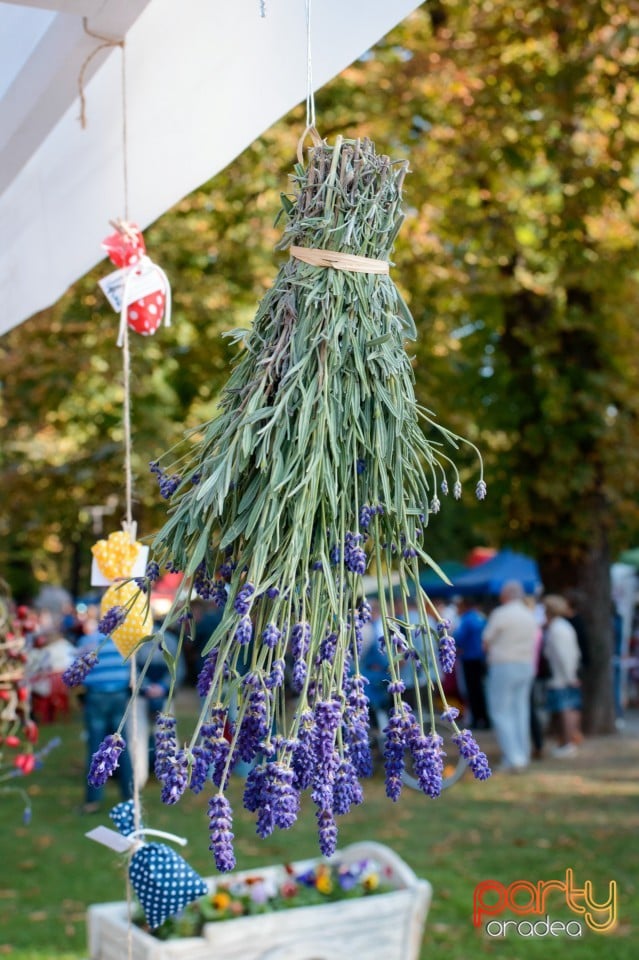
(141, 284)
(110, 838)
(138, 570)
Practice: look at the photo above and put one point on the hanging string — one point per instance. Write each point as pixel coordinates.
(129, 526)
(105, 43)
(310, 97)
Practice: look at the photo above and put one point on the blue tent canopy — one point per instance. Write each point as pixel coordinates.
(488, 578)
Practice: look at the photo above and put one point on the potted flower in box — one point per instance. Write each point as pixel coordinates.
(363, 901)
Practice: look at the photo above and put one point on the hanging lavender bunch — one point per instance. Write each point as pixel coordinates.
(320, 466)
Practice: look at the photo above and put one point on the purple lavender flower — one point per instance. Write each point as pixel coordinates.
(254, 788)
(226, 570)
(354, 556)
(435, 505)
(202, 758)
(443, 626)
(111, 620)
(444, 487)
(396, 734)
(271, 636)
(447, 653)
(360, 465)
(244, 631)
(272, 593)
(105, 759)
(409, 552)
(469, 750)
(168, 484)
(327, 648)
(254, 725)
(221, 835)
(480, 490)
(468, 746)
(165, 743)
(279, 801)
(428, 760)
(218, 594)
(175, 778)
(151, 574)
(276, 677)
(298, 676)
(242, 602)
(202, 582)
(335, 555)
(327, 832)
(205, 677)
(396, 686)
(366, 514)
(479, 766)
(450, 714)
(365, 610)
(327, 716)
(253, 679)
(457, 490)
(219, 749)
(358, 743)
(300, 639)
(303, 754)
(74, 675)
(347, 790)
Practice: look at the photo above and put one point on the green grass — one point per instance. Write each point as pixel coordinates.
(531, 827)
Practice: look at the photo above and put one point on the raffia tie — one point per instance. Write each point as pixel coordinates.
(350, 262)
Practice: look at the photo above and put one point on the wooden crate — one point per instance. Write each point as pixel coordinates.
(385, 926)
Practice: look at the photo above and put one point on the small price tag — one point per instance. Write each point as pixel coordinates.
(110, 838)
(145, 281)
(138, 570)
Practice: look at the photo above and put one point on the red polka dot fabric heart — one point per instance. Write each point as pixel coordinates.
(126, 246)
(145, 315)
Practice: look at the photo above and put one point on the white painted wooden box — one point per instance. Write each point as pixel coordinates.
(385, 926)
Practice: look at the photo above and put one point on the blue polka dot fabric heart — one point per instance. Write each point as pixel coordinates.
(163, 881)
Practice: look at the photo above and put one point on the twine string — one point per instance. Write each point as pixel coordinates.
(311, 128)
(105, 43)
(351, 262)
(310, 97)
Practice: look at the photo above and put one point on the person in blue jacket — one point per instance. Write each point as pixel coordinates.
(468, 637)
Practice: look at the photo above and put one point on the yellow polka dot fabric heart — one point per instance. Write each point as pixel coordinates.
(138, 623)
(116, 555)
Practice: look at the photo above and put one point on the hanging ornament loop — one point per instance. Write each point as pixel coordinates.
(311, 128)
(147, 831)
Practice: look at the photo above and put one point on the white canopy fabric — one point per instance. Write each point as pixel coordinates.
(203, 79)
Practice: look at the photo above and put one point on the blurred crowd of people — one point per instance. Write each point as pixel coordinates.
(518, 671)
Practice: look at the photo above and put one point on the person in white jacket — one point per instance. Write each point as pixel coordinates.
(510, 638)
(561, 649)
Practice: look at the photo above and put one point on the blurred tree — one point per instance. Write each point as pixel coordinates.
(518, 258)
(525, 125)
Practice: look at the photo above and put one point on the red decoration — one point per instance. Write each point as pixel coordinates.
(142, 286)
(145, 315)
(126, 246)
